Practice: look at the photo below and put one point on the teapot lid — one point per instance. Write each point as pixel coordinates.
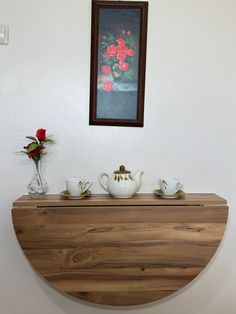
(122, 170)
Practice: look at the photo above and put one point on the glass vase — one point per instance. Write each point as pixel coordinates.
(37, 187)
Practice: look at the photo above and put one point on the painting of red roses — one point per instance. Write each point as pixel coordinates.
(118, 59)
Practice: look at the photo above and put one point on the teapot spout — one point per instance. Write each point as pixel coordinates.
(137, 177)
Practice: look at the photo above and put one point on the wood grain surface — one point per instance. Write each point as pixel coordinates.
(120, 252)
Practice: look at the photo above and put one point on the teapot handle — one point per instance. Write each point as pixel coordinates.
(100, 178)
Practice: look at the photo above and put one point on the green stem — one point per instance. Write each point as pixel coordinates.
(38, 176)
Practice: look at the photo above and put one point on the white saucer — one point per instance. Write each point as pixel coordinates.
(65, 194)
(178, 194)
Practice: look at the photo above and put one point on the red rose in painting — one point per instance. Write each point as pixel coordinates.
(117, 60)
(106, 69)
(41, 134)
(111, 51)
(108, 86)
(121, 42)
(121, 54)
(123, 66)
(130, 52)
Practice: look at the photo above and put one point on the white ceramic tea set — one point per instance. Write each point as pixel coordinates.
(170, 188)
(76, 188)
(121, 184)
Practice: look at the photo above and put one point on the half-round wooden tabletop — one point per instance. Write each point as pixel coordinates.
(120, 252)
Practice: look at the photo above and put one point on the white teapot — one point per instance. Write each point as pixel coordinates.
(121, 184)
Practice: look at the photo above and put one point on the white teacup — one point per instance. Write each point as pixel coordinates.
(77, 186)
(170, 186)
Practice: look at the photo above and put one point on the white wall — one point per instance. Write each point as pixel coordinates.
(189, 132)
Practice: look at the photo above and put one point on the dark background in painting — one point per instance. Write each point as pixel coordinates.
(122, 104)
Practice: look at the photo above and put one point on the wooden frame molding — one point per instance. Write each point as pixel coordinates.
(120, 251)
(118, 62)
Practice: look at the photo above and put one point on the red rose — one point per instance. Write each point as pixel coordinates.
(111, 51)
(35, 149)
(106, 69)
(108, 86)
(36, 152)
(41, 134)
(26, 147)
(123, 66)
(130, 52)
(121, 42)
(121, 54)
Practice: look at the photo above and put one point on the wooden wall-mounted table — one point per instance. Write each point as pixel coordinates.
(120, 251)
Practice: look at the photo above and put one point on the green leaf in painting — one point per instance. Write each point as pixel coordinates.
(125, 86)
(130, 59)
(108, 62)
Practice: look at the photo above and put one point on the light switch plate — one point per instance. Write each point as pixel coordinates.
(4, 34)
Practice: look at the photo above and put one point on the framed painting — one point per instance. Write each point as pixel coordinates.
(118, 59)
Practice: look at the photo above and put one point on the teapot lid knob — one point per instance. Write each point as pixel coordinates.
(122, 170)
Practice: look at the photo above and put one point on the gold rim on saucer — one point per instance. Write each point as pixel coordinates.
(65, 194)
(178, 194)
